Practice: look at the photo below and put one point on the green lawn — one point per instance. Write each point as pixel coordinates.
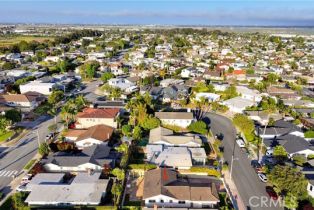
(29, 164)
(10, 40)
(5, 136)
(43, 108)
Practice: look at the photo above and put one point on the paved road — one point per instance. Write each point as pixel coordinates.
(246, 180)
(89, 91)
(14, 158)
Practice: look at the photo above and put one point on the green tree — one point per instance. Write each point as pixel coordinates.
(291, 201)
(8, 66)
(18, 200)
(116, 190)
(13, 115)
(230, 92)
(286, 179)
(198, 127)
(309, 134)
(299, 160)
(272, 78)
(137, 133)
(245, 124)
(280, 153)
(88, 69)
(123, 148)
(106, 76)
(4, 123)
(63, 66)
(126, 130)
(119, 173)
(80, 102)
(43, 149)
(150, 123)
(55, 97)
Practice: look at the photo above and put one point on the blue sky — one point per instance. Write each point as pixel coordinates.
(180, 12)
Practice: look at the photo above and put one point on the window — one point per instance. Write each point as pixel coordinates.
(170, 201)
(151, 201)
(181, 202)
(311, 188)
(161, 201)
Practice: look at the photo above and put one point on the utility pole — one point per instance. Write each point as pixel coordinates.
(37, 132)
(232, 159)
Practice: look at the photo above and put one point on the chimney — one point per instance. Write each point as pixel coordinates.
(164, 175)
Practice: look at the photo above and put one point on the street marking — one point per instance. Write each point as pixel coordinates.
(5, 173)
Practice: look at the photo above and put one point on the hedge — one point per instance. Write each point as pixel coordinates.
(309, 134)
(209, 171)
(142, 166)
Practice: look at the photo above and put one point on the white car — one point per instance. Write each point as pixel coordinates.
(22, 187)
(241, 143)
(269, 152)
(262, 177)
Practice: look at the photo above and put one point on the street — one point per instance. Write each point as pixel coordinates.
(246, 180)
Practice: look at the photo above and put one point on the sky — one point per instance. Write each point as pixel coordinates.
(163, 12)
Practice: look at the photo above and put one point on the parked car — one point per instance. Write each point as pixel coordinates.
(262, 177)
(269, 152)
(27, 178)
(241, 143)
(22, 187)
(271, 192)
(257, 166)
(49, 136)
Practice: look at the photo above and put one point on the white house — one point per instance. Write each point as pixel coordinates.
(52, 59)
(124, 84)
(181, 119)
(207, 96)
(238, 104)
(38, 86)
(249, 94)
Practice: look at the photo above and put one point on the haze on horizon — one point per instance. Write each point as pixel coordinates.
(173, 12)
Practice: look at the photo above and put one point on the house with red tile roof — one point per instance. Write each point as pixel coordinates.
(93, 116)
(97, 134)
(237, 74)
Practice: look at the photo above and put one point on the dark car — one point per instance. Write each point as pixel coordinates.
(257, 166)
(271, 192)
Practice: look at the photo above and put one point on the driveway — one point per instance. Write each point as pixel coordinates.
(245, 178)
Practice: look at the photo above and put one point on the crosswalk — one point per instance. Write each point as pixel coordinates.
(5, 173)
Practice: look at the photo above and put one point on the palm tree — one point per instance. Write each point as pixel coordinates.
(80, 101)
(68, 113)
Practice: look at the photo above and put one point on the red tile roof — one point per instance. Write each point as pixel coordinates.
(98, 113)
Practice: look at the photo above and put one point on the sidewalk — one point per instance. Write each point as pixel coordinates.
(232, 191)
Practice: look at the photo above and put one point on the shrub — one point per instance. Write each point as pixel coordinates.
(198, 127)
(142, 166)
(309, 134)
(209, 171)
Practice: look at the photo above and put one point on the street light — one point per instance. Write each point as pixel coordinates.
(37, 132)
(232, 159)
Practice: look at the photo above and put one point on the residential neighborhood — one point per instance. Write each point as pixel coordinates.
(148, 118)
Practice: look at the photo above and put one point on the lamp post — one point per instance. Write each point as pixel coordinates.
(37, 132)
(232, 159)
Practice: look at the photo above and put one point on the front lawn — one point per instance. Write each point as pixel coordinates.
(29, 164)
(6, 136)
